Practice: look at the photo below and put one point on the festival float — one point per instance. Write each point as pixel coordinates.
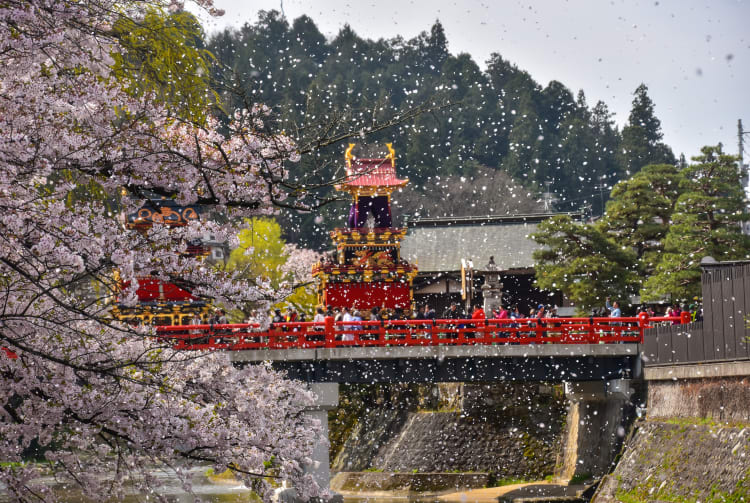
(161, 302)
(366, 270)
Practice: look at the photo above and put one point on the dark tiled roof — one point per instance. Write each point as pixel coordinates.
(438, 245)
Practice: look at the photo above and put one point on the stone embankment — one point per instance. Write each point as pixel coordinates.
(447, 441)
(694, 446)
(508, 431)
(681, 461)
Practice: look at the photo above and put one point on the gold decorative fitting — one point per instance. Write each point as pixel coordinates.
(349, 157)
(391, 154)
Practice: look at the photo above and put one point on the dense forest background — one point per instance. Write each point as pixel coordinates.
(503, 140)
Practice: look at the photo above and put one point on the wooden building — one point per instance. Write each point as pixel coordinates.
(439, 247)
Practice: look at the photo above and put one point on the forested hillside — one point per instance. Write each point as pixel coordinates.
(500, 118)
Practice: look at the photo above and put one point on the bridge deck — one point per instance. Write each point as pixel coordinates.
(545, 362)
(552, 349)
(438, 352)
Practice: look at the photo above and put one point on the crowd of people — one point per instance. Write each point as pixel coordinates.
(452, 312)
(475, 317)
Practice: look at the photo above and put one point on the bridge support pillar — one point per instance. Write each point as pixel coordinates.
(327, 399)
(596, 424)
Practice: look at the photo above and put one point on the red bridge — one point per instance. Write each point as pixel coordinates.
(390, 333)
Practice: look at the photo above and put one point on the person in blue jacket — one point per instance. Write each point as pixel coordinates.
(614, 309)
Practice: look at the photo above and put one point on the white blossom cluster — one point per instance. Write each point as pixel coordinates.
(106, 402)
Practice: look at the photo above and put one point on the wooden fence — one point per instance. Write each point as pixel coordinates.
(722, 335)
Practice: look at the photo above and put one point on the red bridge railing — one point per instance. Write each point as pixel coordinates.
(330, 334)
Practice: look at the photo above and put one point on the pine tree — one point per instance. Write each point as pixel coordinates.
(608, 140)
(581, 261)
(437, 46)
(639, 211)
(574, 153)
(707, 221)
(525, 143)
(641, 138)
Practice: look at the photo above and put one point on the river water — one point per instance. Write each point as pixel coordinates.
(224, 491)
(205, 488)
(213, 490)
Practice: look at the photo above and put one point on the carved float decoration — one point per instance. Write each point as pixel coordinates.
(161, 302)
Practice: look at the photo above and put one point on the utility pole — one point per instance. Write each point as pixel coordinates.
(743, 167)
(741, 150)
(588, 213)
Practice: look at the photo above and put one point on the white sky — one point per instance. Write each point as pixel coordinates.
(694, 56)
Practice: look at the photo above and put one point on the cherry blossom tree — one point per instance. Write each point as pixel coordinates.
(99, 402)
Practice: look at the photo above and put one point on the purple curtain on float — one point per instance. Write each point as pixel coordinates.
(377, 205)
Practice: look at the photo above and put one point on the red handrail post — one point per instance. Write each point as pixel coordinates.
(642, 324)
(685, 317)
(330, 332)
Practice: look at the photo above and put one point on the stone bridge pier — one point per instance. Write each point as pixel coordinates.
(596, 425)
(327, 399)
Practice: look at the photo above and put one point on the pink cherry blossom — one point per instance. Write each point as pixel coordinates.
(107, 402)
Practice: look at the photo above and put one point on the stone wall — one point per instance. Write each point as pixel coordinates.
(718, 399)
(447, 441)
(509, 430)
(681, 460)
(693, 446)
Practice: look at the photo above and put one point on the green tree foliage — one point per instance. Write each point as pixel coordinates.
(639, 212)
(707, 221)
(164, 54)
(262, 253)
(587, 145)
(161, 53)
(641, 138)
(525, 142)
(658, 226)
(501, 118)
(581, 261)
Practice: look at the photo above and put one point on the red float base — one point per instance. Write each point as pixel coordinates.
(368, 295)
